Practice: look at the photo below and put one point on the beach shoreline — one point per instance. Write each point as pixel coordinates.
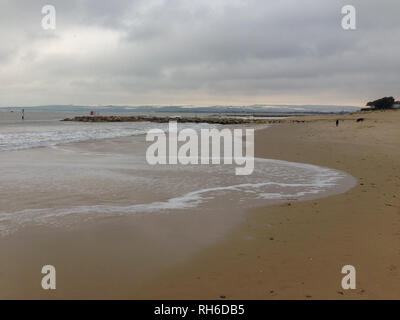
(81, 212)
(297, 250)
(281, 251)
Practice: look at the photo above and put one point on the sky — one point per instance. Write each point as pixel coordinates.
(198, 52)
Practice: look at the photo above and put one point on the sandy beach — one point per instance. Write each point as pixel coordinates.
(291, 250)
(296, 250)
(199, 150)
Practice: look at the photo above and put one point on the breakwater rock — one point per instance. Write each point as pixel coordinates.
(167, 119)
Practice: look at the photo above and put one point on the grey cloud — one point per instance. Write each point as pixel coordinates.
(198, 52)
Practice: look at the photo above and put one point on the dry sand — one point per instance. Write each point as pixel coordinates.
(297, 250)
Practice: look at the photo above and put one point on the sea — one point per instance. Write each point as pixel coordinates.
(61, 174)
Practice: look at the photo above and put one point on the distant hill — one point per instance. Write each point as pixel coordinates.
(211, 109)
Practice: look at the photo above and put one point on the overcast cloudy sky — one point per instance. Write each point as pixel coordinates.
(198, 52)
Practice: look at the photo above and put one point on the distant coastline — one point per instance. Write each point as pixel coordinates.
(250, 109)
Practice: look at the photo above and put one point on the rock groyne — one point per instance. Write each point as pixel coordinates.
(167, 119)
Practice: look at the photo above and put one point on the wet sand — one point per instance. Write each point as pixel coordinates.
(296, 250)
(99, 255)
(96, 256)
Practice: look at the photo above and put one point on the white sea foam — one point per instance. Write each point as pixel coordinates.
(50, 134)
(274, 180)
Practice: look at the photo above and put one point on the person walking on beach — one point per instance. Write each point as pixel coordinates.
(23, 114)
(337, 123)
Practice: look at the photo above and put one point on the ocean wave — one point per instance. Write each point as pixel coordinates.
(48, 135)
(297, 181)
